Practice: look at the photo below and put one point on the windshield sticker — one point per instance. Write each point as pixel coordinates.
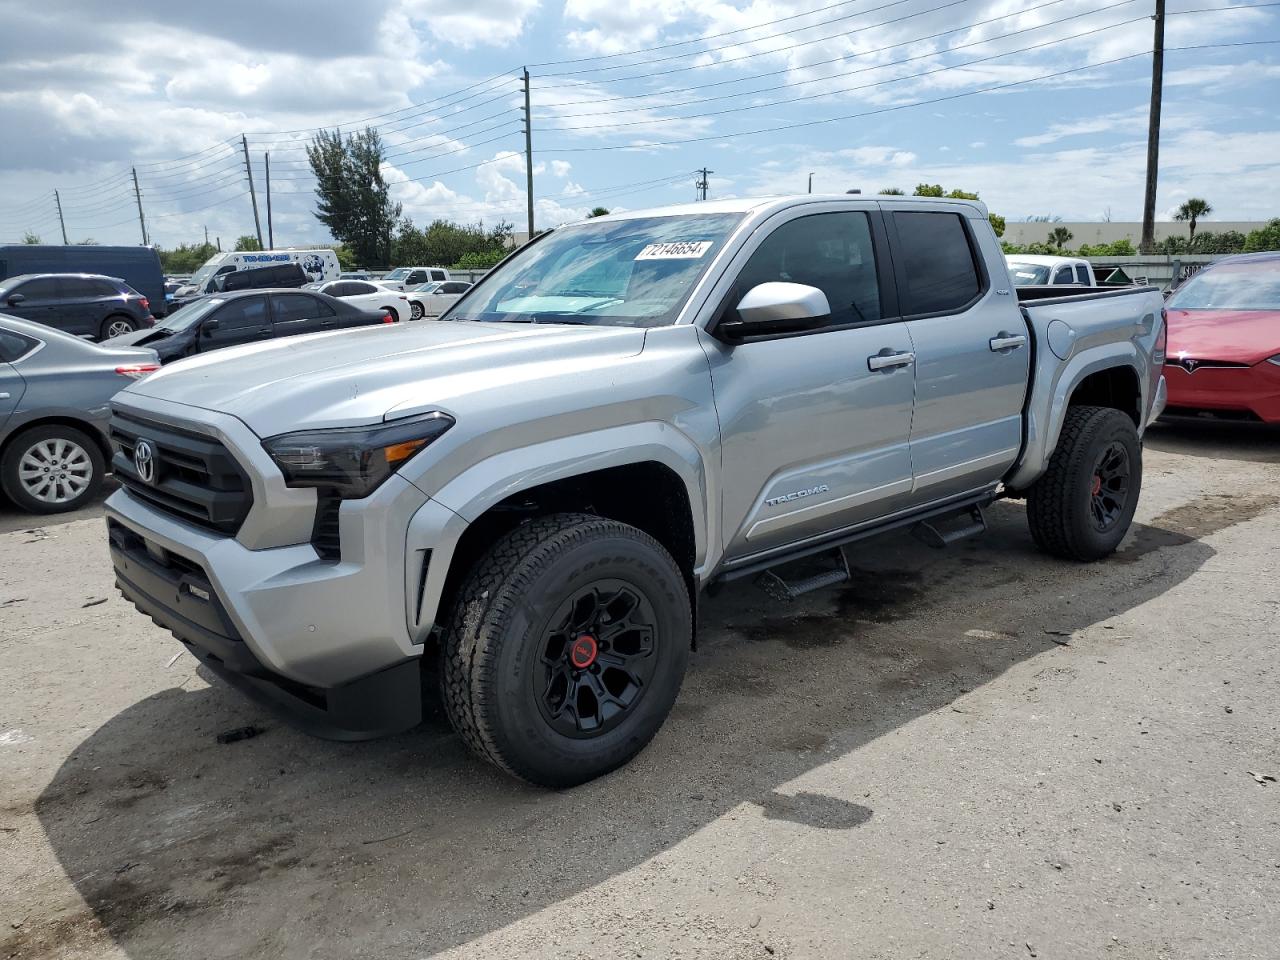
(679, 250)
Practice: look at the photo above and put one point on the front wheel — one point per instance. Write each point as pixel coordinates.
(566, 648)
(1082, 506)
(51, 469)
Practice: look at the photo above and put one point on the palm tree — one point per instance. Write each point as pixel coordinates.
(1193, 210)
(1058, 236)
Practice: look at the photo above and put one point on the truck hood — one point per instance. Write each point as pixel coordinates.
(1237, 336)
(348, 378)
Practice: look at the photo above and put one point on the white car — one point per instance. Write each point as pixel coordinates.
(1028, 270)
(433, 299)
(406, 278)
(370, 296)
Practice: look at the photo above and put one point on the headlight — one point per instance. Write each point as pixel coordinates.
(352, 461)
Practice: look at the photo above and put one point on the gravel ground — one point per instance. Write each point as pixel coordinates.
(964, 753)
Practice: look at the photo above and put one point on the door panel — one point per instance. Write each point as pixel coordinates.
(813, 438)
(244, 320)
(12, 387)
(972, 356)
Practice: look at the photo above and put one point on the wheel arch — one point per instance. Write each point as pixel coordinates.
(88, 427)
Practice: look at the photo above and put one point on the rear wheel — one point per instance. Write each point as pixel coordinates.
(415, 310)
(566, 648)
(51, 469)
(1083, 505)
(118, 326)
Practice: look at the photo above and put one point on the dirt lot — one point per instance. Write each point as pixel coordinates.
(976, 752)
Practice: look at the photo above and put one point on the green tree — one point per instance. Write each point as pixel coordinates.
(352, 196)
(186, 257)
(997, 223)
(31, 238)
(1059, 236)
(447, 243)
(892, 192)
(598, 212)
(247, 242)
(86, 242)
(935, 190)
(1264, 238)
(1193, 210)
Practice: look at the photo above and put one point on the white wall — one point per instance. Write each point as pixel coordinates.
(1023, 233)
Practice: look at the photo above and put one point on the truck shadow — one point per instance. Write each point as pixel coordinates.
(282, 845)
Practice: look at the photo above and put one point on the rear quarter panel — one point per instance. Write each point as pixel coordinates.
(1076, 337)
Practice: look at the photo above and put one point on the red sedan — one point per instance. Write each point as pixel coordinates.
(1224, 341)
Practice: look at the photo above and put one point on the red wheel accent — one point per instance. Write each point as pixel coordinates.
(583, 653)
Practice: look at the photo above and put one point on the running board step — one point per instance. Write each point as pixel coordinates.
(788, 590)
(930, 535)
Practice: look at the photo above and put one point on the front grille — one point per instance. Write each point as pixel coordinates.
(195, 477)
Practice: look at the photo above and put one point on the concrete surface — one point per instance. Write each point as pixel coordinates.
(972, 753)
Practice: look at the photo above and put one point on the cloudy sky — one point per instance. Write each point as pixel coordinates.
(1039, 105)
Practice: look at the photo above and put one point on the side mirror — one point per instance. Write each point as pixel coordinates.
(209, 326)
(775, 308)
(16, 298)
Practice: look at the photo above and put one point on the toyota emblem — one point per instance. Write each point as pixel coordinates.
(144, 461)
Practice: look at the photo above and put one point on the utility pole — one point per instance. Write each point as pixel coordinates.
(253, 194)
(138, 195)
(528, 151)
(811, 183)
(58, 200)
(701, 184)
(1153, 134)
(206, 234)
(271, 234)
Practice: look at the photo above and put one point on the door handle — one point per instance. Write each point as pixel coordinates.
(1007, 341)
(888, 361)
(4, 396)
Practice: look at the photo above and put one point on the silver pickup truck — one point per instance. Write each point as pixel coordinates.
(531, 494)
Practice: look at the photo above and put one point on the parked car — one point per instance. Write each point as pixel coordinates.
(1224, 341)
(78, 303)
(626, 411)
(257, 278)
(54, 389)
(406, 278)
(433, 299)
(139, 267)
(251, 316)
(370, 296)
(318, 264)
(356, 275)
(1028, 271)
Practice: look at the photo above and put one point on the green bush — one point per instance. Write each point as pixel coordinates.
(1264, 238)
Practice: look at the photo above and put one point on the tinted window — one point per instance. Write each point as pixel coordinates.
(45, 288)
(1063, 275)
(14, 345)
(438, 275)
(298, 306)
(78, 288)
(455, 287)
(830, 251)
(1082, 274)
(356, 288)
(937, 272)
(245, 312)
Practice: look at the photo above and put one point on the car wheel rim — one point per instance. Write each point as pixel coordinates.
(596, 659)
(55, 470)
(119, 327)
(1109, 491)
(416, 312)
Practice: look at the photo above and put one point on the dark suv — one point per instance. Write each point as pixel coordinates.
(83, 304)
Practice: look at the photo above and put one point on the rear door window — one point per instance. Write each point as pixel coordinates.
(439, 275)
(1082, 274)
(937, 270)
(293, 307)
(14, 346)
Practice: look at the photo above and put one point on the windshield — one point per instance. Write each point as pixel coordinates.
(1028, 274)
(201, 276)
(1244, 286)
(426, 287)
(186, 317)
(399, 273)
(631, 273)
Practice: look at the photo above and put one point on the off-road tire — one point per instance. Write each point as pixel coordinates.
(1058, 503)
(495, 636)
(18, 446)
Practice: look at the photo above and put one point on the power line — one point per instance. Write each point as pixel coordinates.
(895, 107)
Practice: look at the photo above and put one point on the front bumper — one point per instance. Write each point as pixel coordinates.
(1250, 393)
(178, 594)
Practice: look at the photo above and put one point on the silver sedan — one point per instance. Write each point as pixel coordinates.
(54, 391)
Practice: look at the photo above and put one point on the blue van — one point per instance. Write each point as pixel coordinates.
(139, 267)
